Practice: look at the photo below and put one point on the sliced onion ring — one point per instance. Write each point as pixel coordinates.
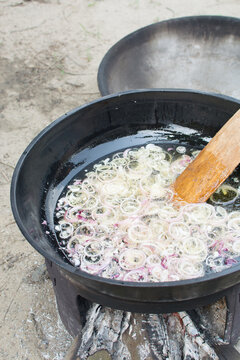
(132, 259)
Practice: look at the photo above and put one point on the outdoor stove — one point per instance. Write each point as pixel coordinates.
(54, 158)
(214, 327)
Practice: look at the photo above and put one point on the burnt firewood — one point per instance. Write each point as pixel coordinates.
(129, 336)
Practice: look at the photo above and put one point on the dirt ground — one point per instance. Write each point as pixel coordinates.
(50, 52)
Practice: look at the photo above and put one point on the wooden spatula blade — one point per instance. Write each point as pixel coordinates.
(212, 166)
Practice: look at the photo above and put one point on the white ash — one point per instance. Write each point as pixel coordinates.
(144, 351)
(103, 330)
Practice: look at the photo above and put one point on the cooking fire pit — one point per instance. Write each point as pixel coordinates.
(71, 144)
(215, 328)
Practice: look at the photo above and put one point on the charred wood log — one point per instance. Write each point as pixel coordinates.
(130, 336)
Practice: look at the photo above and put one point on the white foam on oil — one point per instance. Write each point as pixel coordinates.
(182, 129)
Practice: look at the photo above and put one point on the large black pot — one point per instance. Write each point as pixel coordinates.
(87, 133)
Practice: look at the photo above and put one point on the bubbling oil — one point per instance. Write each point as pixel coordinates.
(117, 220)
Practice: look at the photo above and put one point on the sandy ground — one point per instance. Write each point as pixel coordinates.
(50, 52)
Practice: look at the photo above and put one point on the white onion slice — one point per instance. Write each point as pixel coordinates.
(236, 247)
(139, 232)
(132, 259)
(179, 230)
(86, 230)
(198, 213)
(195, 247)
(190, 269)
(93, 248)
(66, 230)
(234, 224)
(136, 275)
(159, 274)
(130, 206)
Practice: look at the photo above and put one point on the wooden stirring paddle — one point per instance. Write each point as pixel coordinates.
(212, 166)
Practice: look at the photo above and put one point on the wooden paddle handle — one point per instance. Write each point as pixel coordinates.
(212, 166)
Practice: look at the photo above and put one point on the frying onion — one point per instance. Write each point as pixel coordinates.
(119, 221)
